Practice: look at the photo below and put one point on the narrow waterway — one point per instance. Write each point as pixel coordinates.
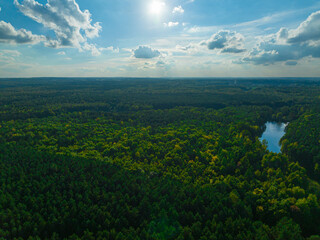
(273, 133)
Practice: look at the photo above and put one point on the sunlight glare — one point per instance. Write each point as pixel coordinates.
(156, 7)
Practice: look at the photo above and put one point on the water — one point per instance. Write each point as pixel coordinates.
(273, 133)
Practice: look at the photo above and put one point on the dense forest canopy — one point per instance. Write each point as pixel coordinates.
(158, 159)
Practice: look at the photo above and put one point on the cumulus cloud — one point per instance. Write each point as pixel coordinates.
(145, 52)
(287, 45)
(178, 9)
(71, 26)
(269, 53)
(171, 24)
(226, 41)
(8, 34)
(308, 31)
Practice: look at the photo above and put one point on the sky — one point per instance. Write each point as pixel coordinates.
(159, 38)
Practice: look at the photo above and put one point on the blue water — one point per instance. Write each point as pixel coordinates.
(273, 133)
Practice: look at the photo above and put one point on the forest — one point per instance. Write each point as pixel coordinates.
(137, 158)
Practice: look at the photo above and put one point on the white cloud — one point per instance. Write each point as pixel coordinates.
(288, 46)
(308, 30)
(13, 53)
(226, 41)
(266, 20)
(145, 52)
(92, 48)
(72, 26)
(171, 24)
(110, 49)
(61, 53)
(8, 34)
(191, 49)
(254, 27)
(178, 9)
(8, 56)
(198, 29)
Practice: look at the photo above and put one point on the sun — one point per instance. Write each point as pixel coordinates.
(156, 7)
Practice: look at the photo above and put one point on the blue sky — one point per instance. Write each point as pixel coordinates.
(159, 38)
